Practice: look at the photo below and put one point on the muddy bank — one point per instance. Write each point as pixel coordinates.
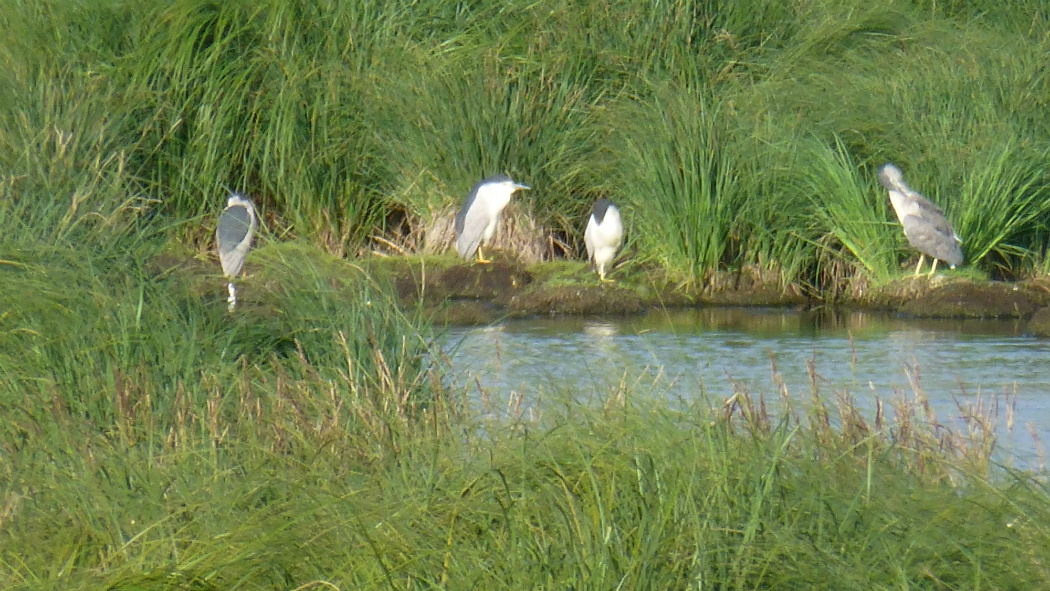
(481, 293)
(474, 293)
(957, 297)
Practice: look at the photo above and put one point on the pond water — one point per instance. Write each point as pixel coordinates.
(956, 364)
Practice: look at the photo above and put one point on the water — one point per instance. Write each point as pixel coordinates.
(680, 355)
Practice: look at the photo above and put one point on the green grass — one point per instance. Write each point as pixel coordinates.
(311, 439)
(151, 440)
(1004, 200)
(681, 179)
(84, 330)
(849, 217)
(335, 117)
(279, 475)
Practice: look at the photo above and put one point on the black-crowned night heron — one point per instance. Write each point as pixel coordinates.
(924, 223)
(234, 234)
(603, 235)
(476, 222)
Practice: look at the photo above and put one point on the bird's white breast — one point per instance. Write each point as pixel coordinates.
(610, 231)
(494, 198)
(903, 206)
(604, 239)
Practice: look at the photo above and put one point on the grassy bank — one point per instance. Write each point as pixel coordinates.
(312, 440)
(285, 468)
(152, 441)
(731, 136)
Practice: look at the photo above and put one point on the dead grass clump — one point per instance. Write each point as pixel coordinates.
(518, 235)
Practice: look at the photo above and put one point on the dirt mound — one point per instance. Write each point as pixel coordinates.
(1039, 325)
(600, 299)
(966, 299)
(749, 286)
(495, 281)
(505, 287)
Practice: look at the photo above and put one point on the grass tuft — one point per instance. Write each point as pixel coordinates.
(681, 182)
(852, 221)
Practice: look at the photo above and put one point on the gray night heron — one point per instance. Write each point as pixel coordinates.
(924, 223)
(476, 222)
(234, 234)
(603, 235)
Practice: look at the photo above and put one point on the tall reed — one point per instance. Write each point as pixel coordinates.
(853, 220)
(681, 180)
(336, 116)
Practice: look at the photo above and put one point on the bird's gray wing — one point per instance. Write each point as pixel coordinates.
(461, 216)
(928, 207)
(234, 227)
(933, 239)
(470, 225)
(933, 215)
(928, 210)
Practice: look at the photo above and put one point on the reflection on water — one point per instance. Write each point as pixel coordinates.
(686, 353)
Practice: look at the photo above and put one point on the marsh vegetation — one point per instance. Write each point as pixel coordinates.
(732, 137)
(149, 440)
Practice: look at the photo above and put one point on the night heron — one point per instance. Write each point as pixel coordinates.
(603, 235)
(477, 221)
(924, 223)
(234, 234)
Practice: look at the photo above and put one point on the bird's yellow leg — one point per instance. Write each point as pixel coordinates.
(934, 268)
(602, 278)
(922, 257)
(481, 257)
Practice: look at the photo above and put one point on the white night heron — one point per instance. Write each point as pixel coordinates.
(234, 234)
(925, 226)
(603, 235)
(476, 222)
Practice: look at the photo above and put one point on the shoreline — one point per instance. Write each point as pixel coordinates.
(473, 293)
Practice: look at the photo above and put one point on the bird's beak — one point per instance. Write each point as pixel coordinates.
(518, 187)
